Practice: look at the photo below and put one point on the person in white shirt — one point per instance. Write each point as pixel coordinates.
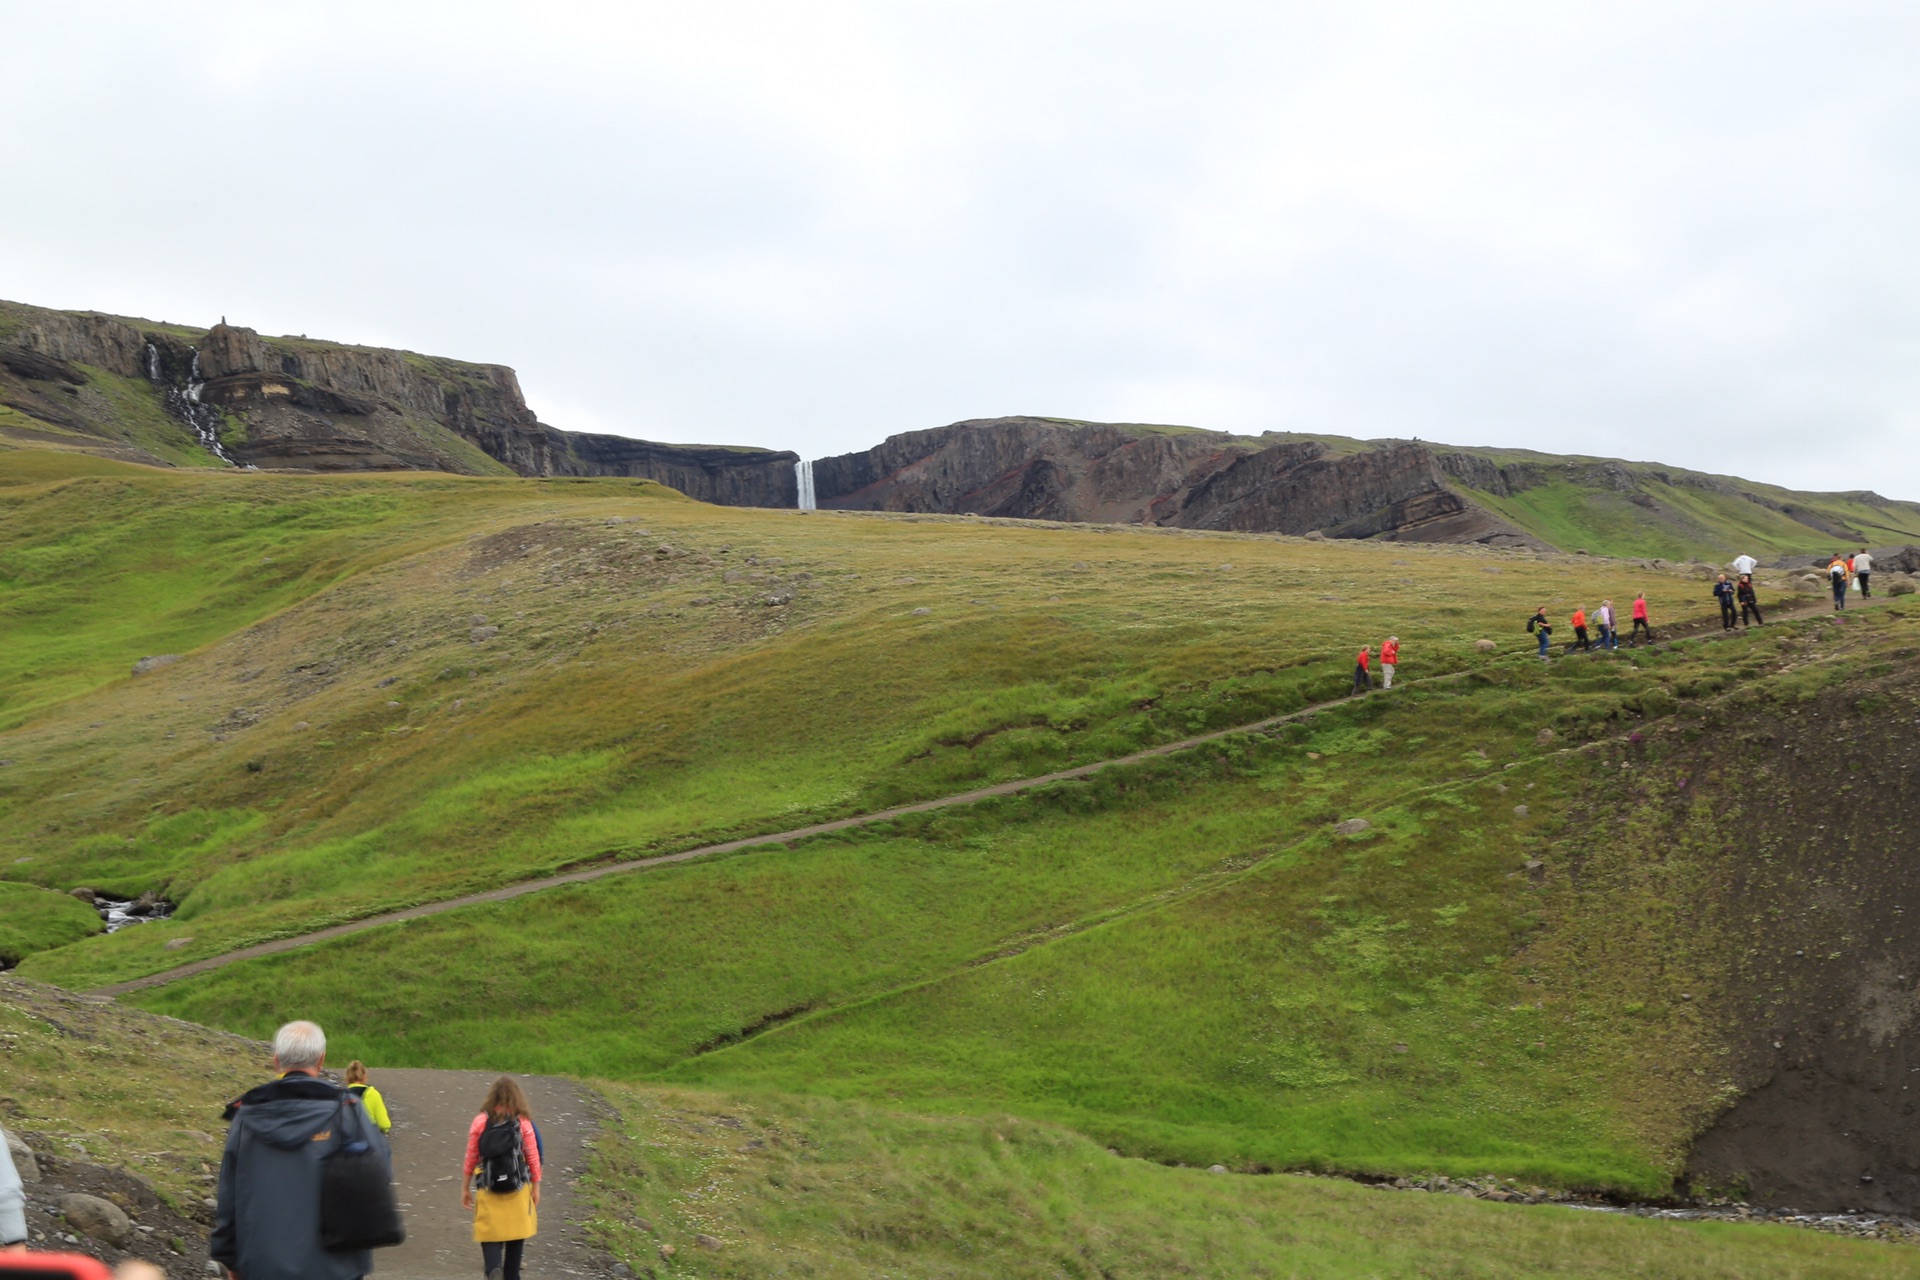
(1862, 566)
(1743, 566)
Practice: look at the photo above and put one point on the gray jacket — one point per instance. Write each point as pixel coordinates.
(13, 1198)
(267, 1225)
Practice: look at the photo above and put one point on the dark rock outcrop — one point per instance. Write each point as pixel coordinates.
(298, 404)
(1048, 469)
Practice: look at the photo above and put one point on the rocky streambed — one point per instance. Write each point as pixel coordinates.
(1867, 1226)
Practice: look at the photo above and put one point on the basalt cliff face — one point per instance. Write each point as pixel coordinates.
(166, 395)
(1040, 468)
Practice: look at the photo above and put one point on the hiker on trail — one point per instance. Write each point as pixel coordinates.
(1723, 591)
(1362, 681)
(1749, 601)
(1640, 622)
(503, 1167)
(1837, 575)
(1540, 627)
(1862, 571)
(1579, 621)
(1609, 626)
(1389, 659)
(1744, 565)
(13, 1203)
(369, 1096)
(266, 1223)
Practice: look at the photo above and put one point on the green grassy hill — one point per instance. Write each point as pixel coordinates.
(396, 689)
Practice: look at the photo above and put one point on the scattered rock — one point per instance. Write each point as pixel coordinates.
(1216, 1168)
(23, 1158)
(1226, 568)
(1485, 646)
(1314, 535)
(1521, 811)
(708, 1242)
(174, 944)
(479, 634)
(1544, 736)
(1081, 566)
(1401, 1048)
(667, 1251)
(381, 684)
(1352, 827)
(101, 1219)
(300, 726)
(154, 663)
(701, 600)
(1902, 589)
(922, 612)
(85, 895)
(621, 1271)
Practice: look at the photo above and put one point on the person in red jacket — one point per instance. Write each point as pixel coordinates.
(1362, 680)
(1640, 622)
(1389, 659)
(1579, 621)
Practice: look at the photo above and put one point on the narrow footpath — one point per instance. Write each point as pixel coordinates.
(1693, 629)
(431, 1112)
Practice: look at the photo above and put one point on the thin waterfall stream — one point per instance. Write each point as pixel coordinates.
(184, 403)
(803, 481)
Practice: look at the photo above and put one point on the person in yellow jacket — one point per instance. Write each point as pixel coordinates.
(369, 1096)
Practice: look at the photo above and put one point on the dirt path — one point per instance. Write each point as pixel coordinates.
(1696, 629)
(431, 1111)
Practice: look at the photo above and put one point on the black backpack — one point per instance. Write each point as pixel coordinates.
(503, 1161)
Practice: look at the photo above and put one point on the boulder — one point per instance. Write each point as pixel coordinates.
(1902, 588)
(87, 896)
(101, 1219)
(1352, 827)
(481, 634)
(153, 663)
(23, 1158)
(708, 1242)
(1485, 646)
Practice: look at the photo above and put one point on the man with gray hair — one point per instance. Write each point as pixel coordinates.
(267, 1223)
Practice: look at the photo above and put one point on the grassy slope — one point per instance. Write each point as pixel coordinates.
(118, 1087)
(803, 1187)
(612, 712)
(35, 919)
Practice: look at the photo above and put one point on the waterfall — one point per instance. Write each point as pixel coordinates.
(803, 480)
(184, 404)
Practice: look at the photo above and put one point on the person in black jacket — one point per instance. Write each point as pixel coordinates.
(1749, 600)
(266, 1223)
(1723, 591)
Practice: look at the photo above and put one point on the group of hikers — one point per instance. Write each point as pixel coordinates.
(1598, 630)
(1850, 572)
(306, 1180)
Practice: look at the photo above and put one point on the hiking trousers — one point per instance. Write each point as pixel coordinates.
(1386, 675)
(1545, 636)
(1748, 607)
(1639, 625)
(1361, 681)
(1839, 593)
(503, 1255)
(1865, 591)
(1580, 640)
(1726, 615)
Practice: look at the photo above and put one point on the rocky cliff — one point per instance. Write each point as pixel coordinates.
(169, 395)
(1044, 468)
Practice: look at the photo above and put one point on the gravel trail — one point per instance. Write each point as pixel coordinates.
(431, 1111)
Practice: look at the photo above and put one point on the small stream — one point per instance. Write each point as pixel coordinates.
(184, 403)
(118, 913)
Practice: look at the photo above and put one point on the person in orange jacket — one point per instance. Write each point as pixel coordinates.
(1579, 621)
(1389, 658)
(1362, 680)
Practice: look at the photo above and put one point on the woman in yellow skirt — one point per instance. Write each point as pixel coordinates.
(501, 1179)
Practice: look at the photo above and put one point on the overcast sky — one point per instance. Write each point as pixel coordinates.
(1677, 231)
